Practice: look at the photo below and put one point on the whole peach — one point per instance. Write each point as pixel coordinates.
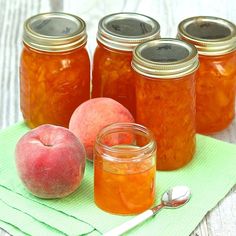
(93, 115)
(50, 161)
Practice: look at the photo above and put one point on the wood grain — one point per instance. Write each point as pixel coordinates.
(221, 221)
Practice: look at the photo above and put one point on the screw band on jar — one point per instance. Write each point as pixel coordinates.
(211, 35)
(165, 58)
(124, 31)
(54, 32)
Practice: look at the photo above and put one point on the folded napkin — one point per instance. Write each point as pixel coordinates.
(210, 176)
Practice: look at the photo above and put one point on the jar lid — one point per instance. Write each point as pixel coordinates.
(54, 32)
(124, 31)
(211, 35)
(165, 58)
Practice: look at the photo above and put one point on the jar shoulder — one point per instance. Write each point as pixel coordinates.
(30, 56)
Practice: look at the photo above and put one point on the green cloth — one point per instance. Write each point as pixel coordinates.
(210, 176)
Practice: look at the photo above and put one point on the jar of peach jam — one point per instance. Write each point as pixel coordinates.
(54, 68)
(118, 34)
(215, 39)
(165, 98)
(124, 169)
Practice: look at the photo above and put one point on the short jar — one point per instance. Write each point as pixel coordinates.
(118, 34)
(215, 39)
(165, 97)
(124, 169)
(54, 68)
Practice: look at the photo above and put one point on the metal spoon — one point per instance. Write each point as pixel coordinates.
(172, 198)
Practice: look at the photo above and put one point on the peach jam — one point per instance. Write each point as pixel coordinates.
(54, 68)
(117, 36)
(124, 169)
(165, 98)
(215, 39)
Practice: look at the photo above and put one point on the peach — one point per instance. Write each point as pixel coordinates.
(50, 161)
(93, 115)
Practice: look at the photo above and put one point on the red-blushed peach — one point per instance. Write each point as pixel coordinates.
(50, 161)
(93, 115)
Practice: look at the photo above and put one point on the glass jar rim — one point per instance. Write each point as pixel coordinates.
(114, 127)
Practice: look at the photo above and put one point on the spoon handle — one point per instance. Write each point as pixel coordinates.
(129, 224)
(133, 222)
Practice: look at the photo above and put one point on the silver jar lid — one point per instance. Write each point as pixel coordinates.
(54, 32)
(124, 31)
(165, 58)
(211, 35)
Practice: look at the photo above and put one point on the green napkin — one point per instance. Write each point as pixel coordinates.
(210, 176)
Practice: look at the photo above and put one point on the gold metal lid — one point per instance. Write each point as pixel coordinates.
(124, 31)
(211, 35)
(54, 32)
(165, 58)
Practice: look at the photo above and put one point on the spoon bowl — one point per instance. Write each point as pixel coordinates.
(176, 197)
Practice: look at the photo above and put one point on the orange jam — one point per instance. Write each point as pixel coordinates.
(165, 98)
(112, 76)
(215, 91)
(168, 109)
(121, 193)
(52, 85)
(54, 68)
(215, 40)
(118, 34)
(124, 175)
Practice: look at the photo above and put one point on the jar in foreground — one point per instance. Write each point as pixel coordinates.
(215, 39)
(118, 34)
(124, 169)
(54, 68)
(165, 98)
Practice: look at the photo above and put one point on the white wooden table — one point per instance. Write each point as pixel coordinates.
(221, 221)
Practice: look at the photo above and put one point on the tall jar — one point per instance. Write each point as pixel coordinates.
(165, 98)
(118, 34)
(215, 39)
(54, 68)
(124, 169)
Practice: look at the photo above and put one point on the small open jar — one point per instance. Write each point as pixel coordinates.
(165, 97)
(124, 169)
(215, 39)
(54, 68)
(118, 34)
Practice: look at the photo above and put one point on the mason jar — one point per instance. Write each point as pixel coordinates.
(215, 39)
(54, 68)
(165, 97)
(124, 169)
(118, 34)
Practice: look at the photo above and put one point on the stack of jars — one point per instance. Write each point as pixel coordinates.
(159, 80)
(154, 78)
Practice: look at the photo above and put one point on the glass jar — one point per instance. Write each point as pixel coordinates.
(165, 98)
(118, 34)
(124, 169)
(54, 68)
(215, 39)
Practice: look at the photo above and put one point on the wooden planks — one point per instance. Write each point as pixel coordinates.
(219, 222)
